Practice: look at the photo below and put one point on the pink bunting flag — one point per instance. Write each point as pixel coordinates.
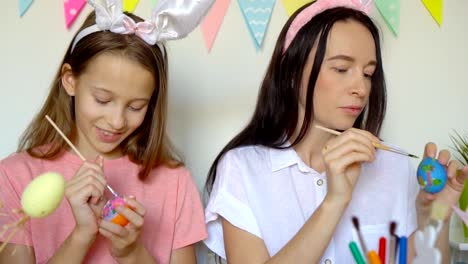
(212, 22)
(72, 9)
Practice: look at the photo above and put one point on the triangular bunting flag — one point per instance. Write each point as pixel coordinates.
(257, 15)
(435, 8)
(23, 6)
(72, 9)
(390, 11)
(130, 5)
(212, 22)
(462, 214)
(293, 5)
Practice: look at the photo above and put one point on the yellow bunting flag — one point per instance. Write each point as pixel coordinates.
(293, 5)
(130, 5)
(435, 8)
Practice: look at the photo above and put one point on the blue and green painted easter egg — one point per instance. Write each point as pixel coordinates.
(432, 176)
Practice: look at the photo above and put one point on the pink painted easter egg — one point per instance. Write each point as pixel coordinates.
(110, 214)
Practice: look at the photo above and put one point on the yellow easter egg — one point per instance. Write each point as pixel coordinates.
(43, 195)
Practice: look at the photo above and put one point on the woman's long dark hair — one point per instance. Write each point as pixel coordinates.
(276, 114)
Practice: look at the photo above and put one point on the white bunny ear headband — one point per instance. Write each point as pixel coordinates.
(170, 19)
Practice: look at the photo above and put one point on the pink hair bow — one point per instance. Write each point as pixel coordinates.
(318, 7)
(143, 29)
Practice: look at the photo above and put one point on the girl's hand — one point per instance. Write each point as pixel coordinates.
(451, 193)
(124, 240)
(85, 192)
(343, 156)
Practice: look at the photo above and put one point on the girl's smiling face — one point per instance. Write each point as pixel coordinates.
(111, 99)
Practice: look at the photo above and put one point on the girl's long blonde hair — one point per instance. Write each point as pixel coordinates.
(149, 145)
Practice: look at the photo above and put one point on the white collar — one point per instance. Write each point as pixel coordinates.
(283, 158)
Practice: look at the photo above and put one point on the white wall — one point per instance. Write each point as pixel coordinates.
(212, 95)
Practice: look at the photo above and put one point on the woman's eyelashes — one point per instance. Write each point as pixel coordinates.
(368, 75)
(340, 70)
(343, 70)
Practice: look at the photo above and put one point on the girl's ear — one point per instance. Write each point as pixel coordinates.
(67, 79)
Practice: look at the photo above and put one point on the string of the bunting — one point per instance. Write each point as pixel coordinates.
(256, 13)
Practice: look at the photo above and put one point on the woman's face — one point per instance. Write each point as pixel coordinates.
(344, 81)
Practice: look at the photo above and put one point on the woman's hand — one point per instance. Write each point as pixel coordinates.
(343, 156)
(84, 193)
(451, 193)
(125, 240)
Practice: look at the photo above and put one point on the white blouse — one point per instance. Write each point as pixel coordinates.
(270, 193)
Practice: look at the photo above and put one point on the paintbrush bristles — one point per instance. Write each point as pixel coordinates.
(392, 228)
(392, 245)
(361, 238)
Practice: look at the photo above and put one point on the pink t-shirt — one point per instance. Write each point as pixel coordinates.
(174, 214)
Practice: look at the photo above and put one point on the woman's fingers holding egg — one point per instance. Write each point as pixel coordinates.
(430, 150)
(457, 175)
(462, 175)
(444, 157)
(452, 168)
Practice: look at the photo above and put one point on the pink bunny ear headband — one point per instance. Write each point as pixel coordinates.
(170, 19)
(318, 7)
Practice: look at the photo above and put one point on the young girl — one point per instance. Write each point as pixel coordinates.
(109, 97)
(285, 191)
